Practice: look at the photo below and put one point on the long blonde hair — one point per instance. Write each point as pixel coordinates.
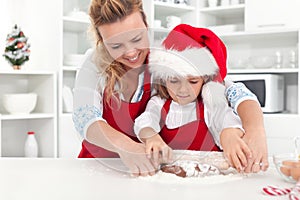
(105, 12)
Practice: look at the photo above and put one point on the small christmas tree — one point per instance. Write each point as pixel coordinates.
(16, 50)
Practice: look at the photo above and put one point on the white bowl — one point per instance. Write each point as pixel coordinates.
(288, 166)
(263, 61)
(20, 103)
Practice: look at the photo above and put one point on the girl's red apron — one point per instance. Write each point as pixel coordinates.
(122, 119)
(192, 136)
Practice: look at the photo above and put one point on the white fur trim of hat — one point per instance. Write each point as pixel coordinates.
(192, 61)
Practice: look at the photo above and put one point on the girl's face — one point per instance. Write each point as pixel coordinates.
(127, 40)
(184, 90)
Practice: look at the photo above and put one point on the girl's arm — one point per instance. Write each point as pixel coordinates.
(147, 127)
(156, 148)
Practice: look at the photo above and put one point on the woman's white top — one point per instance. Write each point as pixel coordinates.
(90, 85)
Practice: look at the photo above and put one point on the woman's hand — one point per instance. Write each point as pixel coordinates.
(236, 151)
(135, 158)
(255, 137)
(256, 140)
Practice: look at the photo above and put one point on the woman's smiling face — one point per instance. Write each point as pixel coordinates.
(184, 90)
(127, 40)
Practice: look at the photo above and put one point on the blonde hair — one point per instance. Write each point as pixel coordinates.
(105, 12)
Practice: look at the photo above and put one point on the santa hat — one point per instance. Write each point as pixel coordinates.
(189, 50)
(192, 51)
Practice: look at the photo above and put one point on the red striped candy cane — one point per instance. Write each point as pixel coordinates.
(275, 191)
(295, 193)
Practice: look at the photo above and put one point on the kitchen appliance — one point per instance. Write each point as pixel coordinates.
(269, 89)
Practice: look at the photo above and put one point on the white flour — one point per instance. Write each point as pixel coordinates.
(173, 179)
(187, 160)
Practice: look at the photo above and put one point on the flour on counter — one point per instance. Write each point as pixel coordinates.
(173, 179)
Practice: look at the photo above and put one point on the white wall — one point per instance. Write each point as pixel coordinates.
(6, 22)
(41, 22)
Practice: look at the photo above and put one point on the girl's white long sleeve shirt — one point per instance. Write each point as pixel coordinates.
(216, 117)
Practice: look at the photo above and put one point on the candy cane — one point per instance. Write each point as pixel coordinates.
(276, 191)
(295, 193)
(293, 197)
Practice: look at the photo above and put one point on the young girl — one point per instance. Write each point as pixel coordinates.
(189, 105)
(112, 88)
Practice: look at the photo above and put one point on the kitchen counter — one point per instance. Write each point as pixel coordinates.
(89, 179)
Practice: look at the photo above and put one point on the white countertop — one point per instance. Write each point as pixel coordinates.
(89, 179)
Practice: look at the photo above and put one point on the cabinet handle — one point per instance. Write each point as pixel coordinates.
(270, 25)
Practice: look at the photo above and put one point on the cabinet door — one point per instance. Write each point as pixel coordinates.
(271, 14)
(69, 141)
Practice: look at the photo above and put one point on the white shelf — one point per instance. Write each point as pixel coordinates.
(75, 41)
(75, 25)
(29, 116)
(171, 8)
(231, 24)
(264, 71)
(43, 120)
(68, 115)
(225, 11)
(290, 33)
(70, 68)
(26, 72)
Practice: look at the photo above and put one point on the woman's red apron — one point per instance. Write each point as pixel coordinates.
(121, 119)
(192, 136)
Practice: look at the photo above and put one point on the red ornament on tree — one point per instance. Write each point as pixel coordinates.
(17, 49)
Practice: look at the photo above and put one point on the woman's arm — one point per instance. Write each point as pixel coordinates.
(252, 119)
(88, 121)
(132, 153)
(224, 125)
(246, 105)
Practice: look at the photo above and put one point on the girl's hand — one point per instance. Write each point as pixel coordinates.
(236, 151)
(158, 150)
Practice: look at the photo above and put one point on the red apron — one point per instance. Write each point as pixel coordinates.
(121, 119)
(192, 136)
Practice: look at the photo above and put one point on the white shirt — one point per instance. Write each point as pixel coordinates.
(216, 117)
(90, 85)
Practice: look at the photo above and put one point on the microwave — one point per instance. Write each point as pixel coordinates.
(269, 89)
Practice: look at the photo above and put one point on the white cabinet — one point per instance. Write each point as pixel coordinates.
(263, 28)
(271, 14)
(244, 46)
(69, 144)
(223, 19)
(42, 120)
(75, 43)
(251, 28)
(161, 10)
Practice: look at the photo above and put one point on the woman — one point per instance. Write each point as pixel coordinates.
(112, 89)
